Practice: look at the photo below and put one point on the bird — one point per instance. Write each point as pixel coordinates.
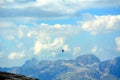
(62, 50)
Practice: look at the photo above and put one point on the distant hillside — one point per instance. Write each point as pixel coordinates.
(85, 67)
(11, 76)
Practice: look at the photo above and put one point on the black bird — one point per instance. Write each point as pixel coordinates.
(62, 50)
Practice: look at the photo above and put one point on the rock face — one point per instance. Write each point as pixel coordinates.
(85, 67)
(11, 76)
(87, 59)
(111, 66)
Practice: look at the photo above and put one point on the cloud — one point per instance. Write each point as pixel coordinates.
(22, 30)
(57, 26)
(8, 24)
(66, 48)
(6, 1)
(94, 25)
(76, 51)
(43, 39)
(1, 54)
(38, 47)
(38, 38)
(95, 49)
(23, 1)
(15, 1)
(10, 37)
(117, 39)
(50, 8)
(16, 55)
(102, 24)
(7, 29)
(31, 33)
(53, 54)
(57, 30)
(48, 45)
(20, 33)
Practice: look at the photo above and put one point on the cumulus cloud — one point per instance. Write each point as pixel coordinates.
(48, 45)
(50, 8)
(102, 24)
(16, 55)
(45, 30)
(38, 47)
(94, 25)
(47, 38)
(117, 39)
(39, 38)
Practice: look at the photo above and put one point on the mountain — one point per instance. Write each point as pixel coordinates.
(85, 67)
(111, 67)
(11, 76)
(87, 59)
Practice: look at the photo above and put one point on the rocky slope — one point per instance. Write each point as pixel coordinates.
(11, 76)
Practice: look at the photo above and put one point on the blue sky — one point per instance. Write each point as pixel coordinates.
(41, 29)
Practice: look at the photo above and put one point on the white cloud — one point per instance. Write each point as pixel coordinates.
(1, 54)
(59, 8)
(48, 45)
(45, 31)
(20, 33)
(30, 33)
(6, 1)
(102, 24)
(95, 49)
(66, 29)
(58, 26)
(57, 42)
(117, 39)
(76, 51)
(40, 37)
(51, 38)
(22, 30)
(16, 55)
(7, 24)
(10, 1)
(38, 47)
(47, 36)
(66, 48)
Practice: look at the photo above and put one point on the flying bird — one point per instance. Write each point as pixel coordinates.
(62, 50)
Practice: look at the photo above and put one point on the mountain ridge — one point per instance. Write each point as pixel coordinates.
(85, 67)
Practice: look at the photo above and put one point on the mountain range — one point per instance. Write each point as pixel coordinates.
(84, 67)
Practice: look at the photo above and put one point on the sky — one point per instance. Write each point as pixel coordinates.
(43, 28)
